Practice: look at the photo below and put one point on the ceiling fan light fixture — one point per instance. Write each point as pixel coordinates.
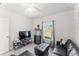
(30, 9)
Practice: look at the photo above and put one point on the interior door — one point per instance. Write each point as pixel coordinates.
(4, 35)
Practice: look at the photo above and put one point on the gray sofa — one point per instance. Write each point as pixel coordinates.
(68, 49)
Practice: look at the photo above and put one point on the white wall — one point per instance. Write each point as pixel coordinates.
(76, 15)
(17, 23)
(64, 24)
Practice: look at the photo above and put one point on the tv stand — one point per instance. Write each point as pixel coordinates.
(21, 43)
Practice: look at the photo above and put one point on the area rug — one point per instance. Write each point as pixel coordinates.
(26, 53)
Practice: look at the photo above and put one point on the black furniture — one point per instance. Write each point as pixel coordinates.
(69, 49)
(59, 49)
(72, 48)
(42, 49)
(17, 45)
(24, 37)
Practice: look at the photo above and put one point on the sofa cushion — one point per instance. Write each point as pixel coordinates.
(69, 48)
(73, 52)
(72, 48)
(58, 50)
(76, 54)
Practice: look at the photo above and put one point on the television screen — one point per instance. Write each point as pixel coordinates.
(24, 34)
(29, 33)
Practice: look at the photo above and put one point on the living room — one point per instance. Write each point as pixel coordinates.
(29, 19)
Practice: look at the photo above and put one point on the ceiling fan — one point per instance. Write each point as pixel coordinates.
(31, 7)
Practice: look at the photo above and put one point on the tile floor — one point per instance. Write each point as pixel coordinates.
(29, 47)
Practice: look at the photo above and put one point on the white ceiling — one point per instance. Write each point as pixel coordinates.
(41, 9)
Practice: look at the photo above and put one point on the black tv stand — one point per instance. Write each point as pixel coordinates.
(21, 43)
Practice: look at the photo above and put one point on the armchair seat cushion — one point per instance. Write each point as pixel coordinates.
(59, 51)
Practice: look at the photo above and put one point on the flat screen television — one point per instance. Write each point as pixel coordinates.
(24, 34)
(28, 34)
